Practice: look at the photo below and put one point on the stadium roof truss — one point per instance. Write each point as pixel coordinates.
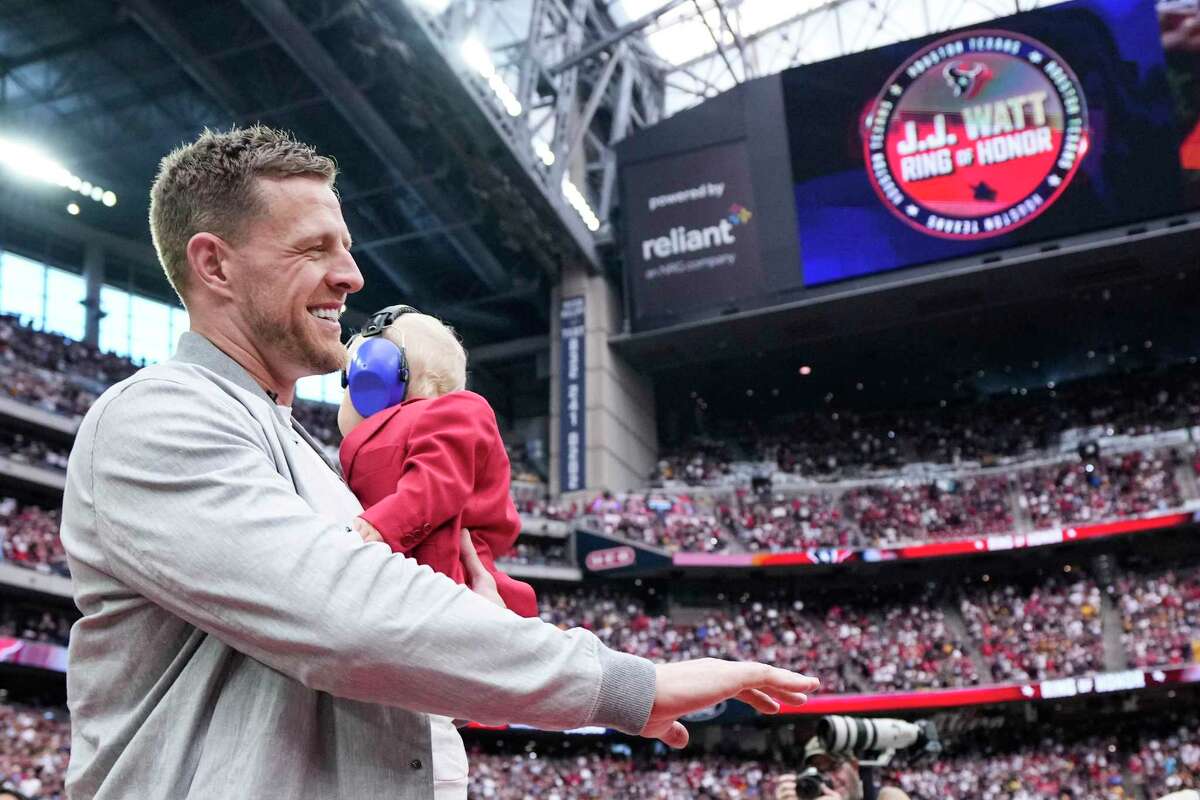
(564, 80)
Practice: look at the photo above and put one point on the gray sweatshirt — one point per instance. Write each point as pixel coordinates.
(238, 642)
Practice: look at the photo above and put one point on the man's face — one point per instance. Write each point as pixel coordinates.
(291, 266)
(844, 780)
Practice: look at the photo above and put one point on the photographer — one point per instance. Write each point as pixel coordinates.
(840, 779)
(839, 762)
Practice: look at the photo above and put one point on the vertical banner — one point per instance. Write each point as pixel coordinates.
(572, 443)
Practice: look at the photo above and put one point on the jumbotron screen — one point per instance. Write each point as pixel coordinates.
(1037, 126)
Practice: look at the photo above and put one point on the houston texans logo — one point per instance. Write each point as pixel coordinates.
(967, 80)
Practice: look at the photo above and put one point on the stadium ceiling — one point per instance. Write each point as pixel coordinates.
(474, 137)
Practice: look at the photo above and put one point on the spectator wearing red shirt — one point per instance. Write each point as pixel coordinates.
(435, 464)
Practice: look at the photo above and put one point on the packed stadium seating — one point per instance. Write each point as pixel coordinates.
(1093, 768)
(64, 376)
(1160, 616)
(29, 537)
(845, 443)
(1051, 629)
(897, 511)
(34, 623)
(34, 749)
(34, 745)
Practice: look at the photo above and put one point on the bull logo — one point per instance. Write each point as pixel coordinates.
(967, 80)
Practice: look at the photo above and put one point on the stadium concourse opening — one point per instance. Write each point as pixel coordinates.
(855, 338)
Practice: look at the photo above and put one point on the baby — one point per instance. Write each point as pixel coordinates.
(423, 454)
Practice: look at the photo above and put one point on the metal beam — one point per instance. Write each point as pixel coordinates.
(82, 41)
(314, 60)
(737, 39)
(716, 41)
(593, 102)
(150, 16)
(612, 38)
(221, 91)
(423, 233)
(507, 351)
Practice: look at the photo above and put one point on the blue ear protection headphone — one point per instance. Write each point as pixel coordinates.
(378, 373)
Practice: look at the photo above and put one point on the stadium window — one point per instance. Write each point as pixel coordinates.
(320, 388)
(311, 388)
(65, 314)
(150, 330)
(23, 289)
(114, 325)
(333, 388)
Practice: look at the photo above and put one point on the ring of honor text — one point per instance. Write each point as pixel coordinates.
(976, 135)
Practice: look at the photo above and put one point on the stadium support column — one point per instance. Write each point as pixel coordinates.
(93, 276)
(594, 392)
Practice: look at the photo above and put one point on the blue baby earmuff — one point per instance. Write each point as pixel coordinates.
(378, 373)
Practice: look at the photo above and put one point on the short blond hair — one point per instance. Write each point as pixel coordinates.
(437, 361)
(209, 185)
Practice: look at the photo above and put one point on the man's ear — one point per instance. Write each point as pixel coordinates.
(207, 255)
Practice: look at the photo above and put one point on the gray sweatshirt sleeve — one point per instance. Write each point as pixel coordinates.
(191, 513)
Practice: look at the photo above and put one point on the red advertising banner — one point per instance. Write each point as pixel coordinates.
(960, 547)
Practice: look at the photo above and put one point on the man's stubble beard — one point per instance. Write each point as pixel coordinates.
(295, 340)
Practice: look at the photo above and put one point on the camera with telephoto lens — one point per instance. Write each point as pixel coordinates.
(855, 736)
(878, 739)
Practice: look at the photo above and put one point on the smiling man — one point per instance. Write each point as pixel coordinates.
(237, 640)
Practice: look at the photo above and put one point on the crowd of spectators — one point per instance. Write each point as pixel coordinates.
(536, 552)
(659, 519)
(841, 442)
(34, 451)
(35, 623)
(29, 537)
(1052, 628)
(34, 748)
(1160, 616)
(778, 633)
(895, 511)
(906, 646)
(600, 776)
(1165, 764)
(1045, 771)
(1109, 486)
(852, 647)
(1153, 760)
(1097, 767)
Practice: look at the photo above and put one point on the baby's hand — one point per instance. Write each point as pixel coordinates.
(366, 530)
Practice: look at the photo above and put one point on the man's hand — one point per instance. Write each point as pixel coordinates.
(479, 580)
(687, 686)
(366, 530)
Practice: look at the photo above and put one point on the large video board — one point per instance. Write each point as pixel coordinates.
(1034, 127)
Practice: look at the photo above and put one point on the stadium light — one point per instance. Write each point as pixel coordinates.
(31, 163)
(578, 202)
(476, 56)
(73, 209)
(543, 151)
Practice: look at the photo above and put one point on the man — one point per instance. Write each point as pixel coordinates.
(236, 635)
(840, 777)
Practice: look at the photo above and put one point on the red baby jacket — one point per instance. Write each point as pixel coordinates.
(428, 468)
